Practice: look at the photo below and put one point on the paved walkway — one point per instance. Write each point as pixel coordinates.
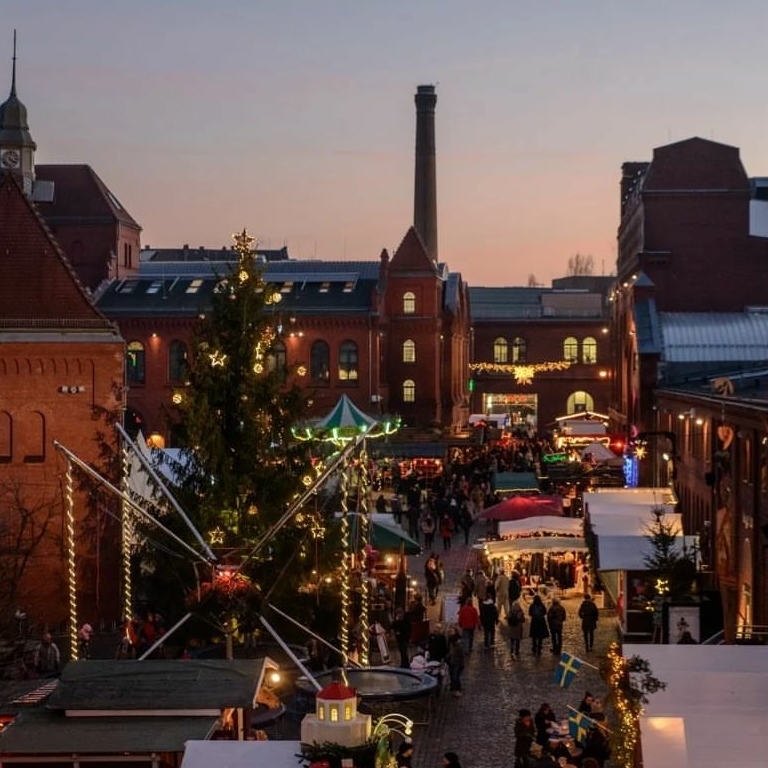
(479, 726)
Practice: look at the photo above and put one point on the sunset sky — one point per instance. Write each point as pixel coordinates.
(295, 118)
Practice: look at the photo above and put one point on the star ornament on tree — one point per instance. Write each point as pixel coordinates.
(217, 359)
(243, 241)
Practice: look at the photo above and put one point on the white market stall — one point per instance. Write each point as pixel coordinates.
(714, 710)
(241, 754)
(621, 520)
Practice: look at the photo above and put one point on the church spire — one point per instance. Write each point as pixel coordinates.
(17, 148)
(13, 68)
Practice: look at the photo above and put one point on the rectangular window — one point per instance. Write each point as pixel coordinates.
(194, 286)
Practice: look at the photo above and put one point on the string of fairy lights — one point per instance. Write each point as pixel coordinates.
(522, 373)
(71, 564)
(345, 582)
(364, 531)
(126, 536)
(626, 711)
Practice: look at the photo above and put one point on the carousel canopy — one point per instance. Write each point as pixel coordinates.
(347, 416)
(520, 507)
(553, 524)
(385, 535)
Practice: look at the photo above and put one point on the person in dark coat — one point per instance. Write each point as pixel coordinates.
(489, 618)
(539, 630)
(515, 587)
(401, 626)
(595, 744)
(525, 732)
(543, 720)
(588, 614)
(555, 620)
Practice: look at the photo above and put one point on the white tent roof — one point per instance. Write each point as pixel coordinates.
(535, 544)
(632, 522)
(650, 497)
(241, 754)
(541, 524)
(714, 710)
(599, 452)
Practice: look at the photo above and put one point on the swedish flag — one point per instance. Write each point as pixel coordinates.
(578, 725)
(566, 669)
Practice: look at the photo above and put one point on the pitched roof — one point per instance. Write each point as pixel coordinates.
(39, 288)
(411, 255)
(79, 194)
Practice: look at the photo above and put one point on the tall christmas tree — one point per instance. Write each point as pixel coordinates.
(241, 469)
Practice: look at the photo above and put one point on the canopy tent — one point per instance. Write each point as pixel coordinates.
(345, 422)
(599, 452)
(515, 482)
(529, 544)
(345, 415)
(520, 507)
(712, 713)
(552, 524)
(385, 534)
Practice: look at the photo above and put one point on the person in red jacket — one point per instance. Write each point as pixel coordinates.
(469, 621)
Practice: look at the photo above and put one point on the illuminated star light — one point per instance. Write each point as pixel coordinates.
(243, 241)
(217, 359)
(524, 374)
(216, 536)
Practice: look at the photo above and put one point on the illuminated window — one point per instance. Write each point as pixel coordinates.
(347, 711)
(194, 286)
(409, 303)
(571, 350)
(155, 286)
(518, 350)
(321, 712)
(589, 350)
(277, 360)
(409, 351)
(287, 287)
(178, 370)
(325, 286)
(135, 363)
(578, 402)
(349, 286)
(320, 362)
(348, 361)
(500, 350)
(409, 391)
(334, 713)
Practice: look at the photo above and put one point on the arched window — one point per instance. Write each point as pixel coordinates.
(178, 369)
(409, 391)
(578, 402)
(348, 361)
(518, 350)
(6, 437)
(32, 432)
(409, 303)
(277, 360)
(589, 350)
(135, 363)
(500, 350)
(571, 349)
(320, 362)
(409, 351)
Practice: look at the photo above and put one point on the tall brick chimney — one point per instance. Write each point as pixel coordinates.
(425, 185)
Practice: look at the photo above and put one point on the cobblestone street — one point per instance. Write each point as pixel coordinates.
(479, 726)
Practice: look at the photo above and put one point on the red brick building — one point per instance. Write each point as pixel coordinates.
(519, 333)
(61, 379)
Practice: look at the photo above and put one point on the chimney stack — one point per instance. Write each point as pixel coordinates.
(425, 185)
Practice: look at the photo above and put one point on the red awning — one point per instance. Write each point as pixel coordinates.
(520, 507)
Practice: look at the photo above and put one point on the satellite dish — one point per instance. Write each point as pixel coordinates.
(722, 386)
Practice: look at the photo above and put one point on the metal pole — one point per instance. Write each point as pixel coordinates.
(290, 653)
(163, 637)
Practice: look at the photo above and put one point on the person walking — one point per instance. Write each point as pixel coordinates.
(538, 631)
(489, 618)
(515, 587)
(555, 619)
(432, 578)
(47, 657)
(588, 614)
(516, 622)
(401, 626)
(455, 663)
(446, 531)
(428, 529)
(501, 584)
(469, 621)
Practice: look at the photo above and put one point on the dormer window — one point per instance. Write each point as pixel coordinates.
(409, 303)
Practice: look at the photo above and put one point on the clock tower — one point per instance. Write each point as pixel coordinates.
(17, 149)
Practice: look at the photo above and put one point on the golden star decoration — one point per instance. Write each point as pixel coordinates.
(524, 374)
(216, 536)
(243, 241)
(640, 452)
(217, 359)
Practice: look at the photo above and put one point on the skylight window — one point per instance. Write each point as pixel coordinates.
(127, 286)
(349, 286)
(155, 286)
(325, 287)
(194, 285)
(287, 287)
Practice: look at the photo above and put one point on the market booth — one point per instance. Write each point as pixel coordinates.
(620, 520)
(712, 713)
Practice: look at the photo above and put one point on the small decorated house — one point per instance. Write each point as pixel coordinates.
(336, 719)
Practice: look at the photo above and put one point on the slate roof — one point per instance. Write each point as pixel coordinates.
(49, 733)
(39, 289)
(80, 195)
(649, 340)
(179, 684)
(206, 254)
